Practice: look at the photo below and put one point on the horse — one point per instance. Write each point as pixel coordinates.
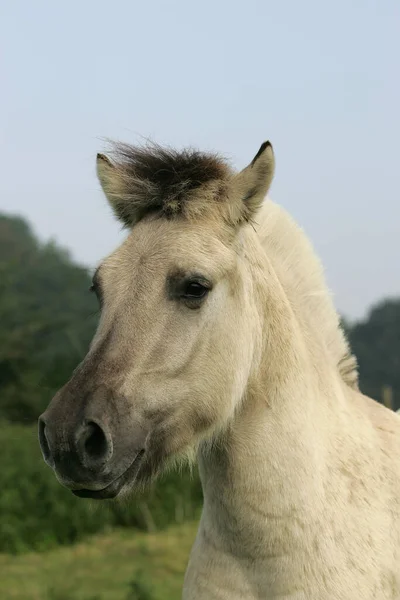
(218, 342)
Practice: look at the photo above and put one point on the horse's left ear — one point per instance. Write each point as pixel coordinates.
(254, 181)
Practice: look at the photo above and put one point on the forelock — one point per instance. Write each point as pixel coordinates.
(154, 179)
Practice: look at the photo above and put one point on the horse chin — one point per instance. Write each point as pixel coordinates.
(118, 486)
(148, 465)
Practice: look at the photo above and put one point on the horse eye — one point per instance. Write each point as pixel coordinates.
(195, 290)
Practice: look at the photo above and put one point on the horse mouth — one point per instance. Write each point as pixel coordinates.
(113, 489)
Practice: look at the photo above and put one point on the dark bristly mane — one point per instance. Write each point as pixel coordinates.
(168, 168)
(163, 180)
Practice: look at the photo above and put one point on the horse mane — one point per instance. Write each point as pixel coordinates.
(301, 274)
(161, 180)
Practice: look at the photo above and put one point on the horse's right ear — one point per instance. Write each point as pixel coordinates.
(112, 181)
(254, 181)
(108, 177)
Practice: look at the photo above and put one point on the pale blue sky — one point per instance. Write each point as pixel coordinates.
(320, 79)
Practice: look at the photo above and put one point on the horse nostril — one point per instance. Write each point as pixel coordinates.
(95, 445)
(44, 444)
(95, 442)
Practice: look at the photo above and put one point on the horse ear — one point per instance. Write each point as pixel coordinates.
(109, 178)
(254, 181)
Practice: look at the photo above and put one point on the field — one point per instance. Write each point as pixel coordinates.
(102, 568)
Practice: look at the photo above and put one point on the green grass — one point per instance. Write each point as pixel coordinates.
(123, 565)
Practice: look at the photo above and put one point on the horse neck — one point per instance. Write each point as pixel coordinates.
(267, 467)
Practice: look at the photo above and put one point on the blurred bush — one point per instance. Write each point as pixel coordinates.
(140, 588)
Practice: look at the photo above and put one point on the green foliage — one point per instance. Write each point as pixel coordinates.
(47, 319)
(376, 343)
(140, 588)
(36, 512)
(63, 593)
